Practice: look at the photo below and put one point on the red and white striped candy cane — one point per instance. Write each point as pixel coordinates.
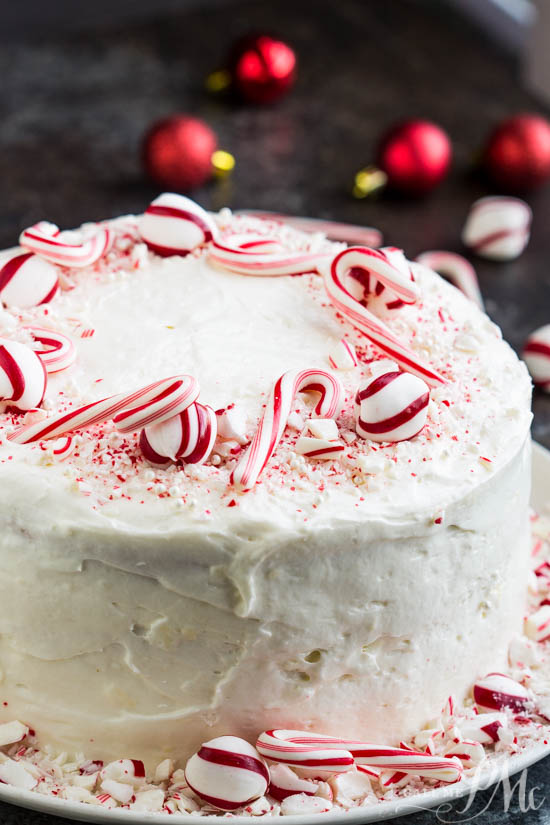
(456, 269)
(129, 411)
(22, 376)
(274, 420)
(59, 351)
(237, 255)
(188, 437)
(371, 326)
(43, 239)
(328, 753)
(334, 230)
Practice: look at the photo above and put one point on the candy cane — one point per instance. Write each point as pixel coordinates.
(304, 749)
(59, 352)
(234, 255)
(374, 329)
(129, 411)
(43, 239)
(188, 437)
(336, 231)
(23, 376)
(275, 417)
(456, 269)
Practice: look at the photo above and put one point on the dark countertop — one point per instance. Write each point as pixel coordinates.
(75, 103)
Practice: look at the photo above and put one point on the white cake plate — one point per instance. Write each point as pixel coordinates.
(495, 771)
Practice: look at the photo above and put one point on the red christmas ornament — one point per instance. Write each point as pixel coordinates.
(415, 155)
(177, 152)
(261, 68)
(517, 154)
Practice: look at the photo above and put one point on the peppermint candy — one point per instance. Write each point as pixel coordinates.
(536, 354)
(498, 228)
(27, 281)
(227, 772)
(284, 782)
(455, 269)
(327, 753)
(497, 691)
(188, 437)
(483, 728)
(342, 355)
(129, 411)
(49, 243)
(175, 225)
(57, 351)
(390, 274)
(23, 376)
(537, 625)
(275, 417)
(391, 407)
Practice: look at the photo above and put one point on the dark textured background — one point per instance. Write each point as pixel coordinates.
(76, 96)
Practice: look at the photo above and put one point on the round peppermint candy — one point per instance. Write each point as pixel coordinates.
(227, 772)
(498, 228)
(22, 376)
(175, 225)
(536, 354)
(26, 280)
(391, 407)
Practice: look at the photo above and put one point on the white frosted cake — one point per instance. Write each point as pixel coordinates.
(349, 586)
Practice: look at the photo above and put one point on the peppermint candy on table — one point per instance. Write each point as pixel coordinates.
(227, 772)
(187, 437)
(456, 269)
(47, 241)
(328, 753)
(391, 407)
(58, 351)
(497, 691)
(175, 225)
(129, 411)
(27, 281)
(536, 354)
(23, 376)
(342, 355)
(275, 417)
(498, 228)
(375, 261)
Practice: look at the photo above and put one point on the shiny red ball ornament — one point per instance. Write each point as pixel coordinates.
(517, 154)
(415, 155)
(262, 69)
(177, 152)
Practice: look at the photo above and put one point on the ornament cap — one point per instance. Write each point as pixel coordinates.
(223, 163)
(368, 181)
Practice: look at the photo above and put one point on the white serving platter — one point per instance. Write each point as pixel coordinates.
(495, 771)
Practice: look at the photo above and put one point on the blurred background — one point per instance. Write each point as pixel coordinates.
(83, 84)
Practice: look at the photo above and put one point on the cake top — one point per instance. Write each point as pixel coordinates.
(136, 316)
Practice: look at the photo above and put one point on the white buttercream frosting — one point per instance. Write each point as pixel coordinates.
(354, 594)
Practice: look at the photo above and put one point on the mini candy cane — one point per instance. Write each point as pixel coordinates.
(227, 772)
(335, 231)
(27, 281)
(456, 269)
(59, 352)
(498, 228)
(536, 354)
(274, 420)
(175, 225)
(374, 329)
(497, 691)
(129, 411)
(234, 254)
(23, 376)
(537, 625)
(301, 748)
(44, 240)
(391, 407)
(188, 437)
(342, 355)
